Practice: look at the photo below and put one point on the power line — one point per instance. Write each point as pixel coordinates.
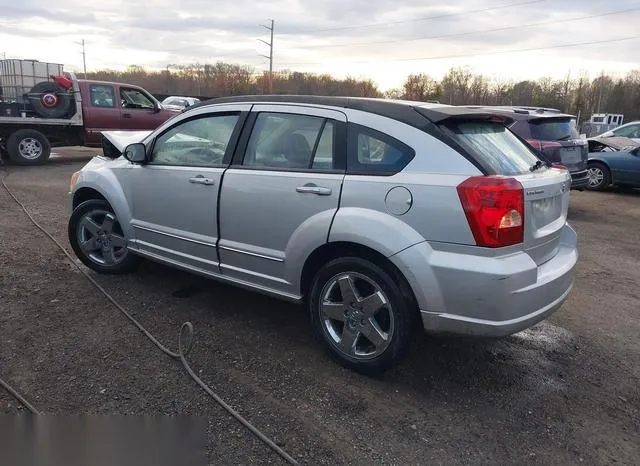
(426, 18)
(495, 52)
(470, 33)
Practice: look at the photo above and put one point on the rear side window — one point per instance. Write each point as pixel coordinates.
(374, 153)
(493, 145)
(102, 96)
(554, 129)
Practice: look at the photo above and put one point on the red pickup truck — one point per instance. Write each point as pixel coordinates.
(61, 110)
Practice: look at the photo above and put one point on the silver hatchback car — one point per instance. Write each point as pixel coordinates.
(382, 216)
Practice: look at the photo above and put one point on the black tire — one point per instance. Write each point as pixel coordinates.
(28, 147)
(62, 102)
(402, 310)
(601, 171)
(96, 209)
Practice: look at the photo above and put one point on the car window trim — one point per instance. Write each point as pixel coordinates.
(231, 146)
(317, 142)
(339, 142)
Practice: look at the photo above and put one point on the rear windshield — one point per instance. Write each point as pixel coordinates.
(554, 129)
(494, 146)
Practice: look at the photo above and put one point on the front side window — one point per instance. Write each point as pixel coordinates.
(373, 152)
(198, 142)
(133, 98)
(290, 142)
(102, 96)
(493, 145)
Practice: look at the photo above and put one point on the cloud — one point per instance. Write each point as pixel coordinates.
(326, 36)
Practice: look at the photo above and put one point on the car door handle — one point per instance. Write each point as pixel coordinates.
(201, 180)
(126, 115)
(313, 189)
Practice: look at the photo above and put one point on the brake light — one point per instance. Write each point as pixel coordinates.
(542, 145)
(494, 207)
(559, 166)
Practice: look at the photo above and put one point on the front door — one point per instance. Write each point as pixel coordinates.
(281, 192)
(174, 197)
(138, 110)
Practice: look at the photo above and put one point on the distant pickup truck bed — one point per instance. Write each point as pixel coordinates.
(61, 110)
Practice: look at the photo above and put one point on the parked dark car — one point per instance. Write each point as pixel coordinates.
(613, 161)
(554, 135)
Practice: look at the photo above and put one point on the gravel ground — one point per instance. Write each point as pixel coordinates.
(563, 392)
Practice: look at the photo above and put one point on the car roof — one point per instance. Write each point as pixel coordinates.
(523, 112)
(407, 111)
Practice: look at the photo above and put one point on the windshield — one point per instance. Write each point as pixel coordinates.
(554, 129)
(494, 145)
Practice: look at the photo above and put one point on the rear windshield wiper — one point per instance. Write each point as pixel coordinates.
(539, 164)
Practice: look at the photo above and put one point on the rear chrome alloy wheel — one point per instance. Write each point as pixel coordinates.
(30, 148)
(596, 176)
(101, 239)
(356, 316)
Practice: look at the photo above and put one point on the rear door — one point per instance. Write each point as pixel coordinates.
(281, 192)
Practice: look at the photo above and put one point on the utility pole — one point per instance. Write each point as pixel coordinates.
(600, 95)
(84, 58)
(270, 57)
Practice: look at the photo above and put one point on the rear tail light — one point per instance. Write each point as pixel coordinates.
(494, 207)
(559, 166)
(542, 145)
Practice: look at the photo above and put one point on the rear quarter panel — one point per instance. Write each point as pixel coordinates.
(431, 177)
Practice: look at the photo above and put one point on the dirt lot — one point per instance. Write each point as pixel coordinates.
(565, 392)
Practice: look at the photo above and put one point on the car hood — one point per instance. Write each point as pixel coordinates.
(121, 139)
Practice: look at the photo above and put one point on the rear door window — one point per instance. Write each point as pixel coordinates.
(493, 145)
(554, 129)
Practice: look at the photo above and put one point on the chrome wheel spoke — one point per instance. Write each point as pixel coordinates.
(89, 225)
(118, 241)
(347, 290)
(372, 304)
(108, 222)
(333, 311)
(348, 340)
(90, 245)
(373, 333)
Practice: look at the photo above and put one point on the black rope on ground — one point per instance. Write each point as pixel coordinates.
(185, 341)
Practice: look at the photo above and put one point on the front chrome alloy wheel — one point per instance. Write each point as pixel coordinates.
(356, 315)
(101, 239)
(30, 148)
(596, 176)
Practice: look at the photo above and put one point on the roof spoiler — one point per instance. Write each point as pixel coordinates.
(440, 114)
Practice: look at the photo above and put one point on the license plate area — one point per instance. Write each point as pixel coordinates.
(544, 212)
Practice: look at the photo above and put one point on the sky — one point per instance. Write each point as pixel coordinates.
(384, 40)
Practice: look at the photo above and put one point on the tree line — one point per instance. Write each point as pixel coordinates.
(578, 95)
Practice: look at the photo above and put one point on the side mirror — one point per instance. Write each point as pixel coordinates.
(136, 153)
(157, 108)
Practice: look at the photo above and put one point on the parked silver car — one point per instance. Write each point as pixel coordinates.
(378, 214)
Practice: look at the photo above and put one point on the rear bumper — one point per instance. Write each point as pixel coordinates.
(489, 296)
(579, 180)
